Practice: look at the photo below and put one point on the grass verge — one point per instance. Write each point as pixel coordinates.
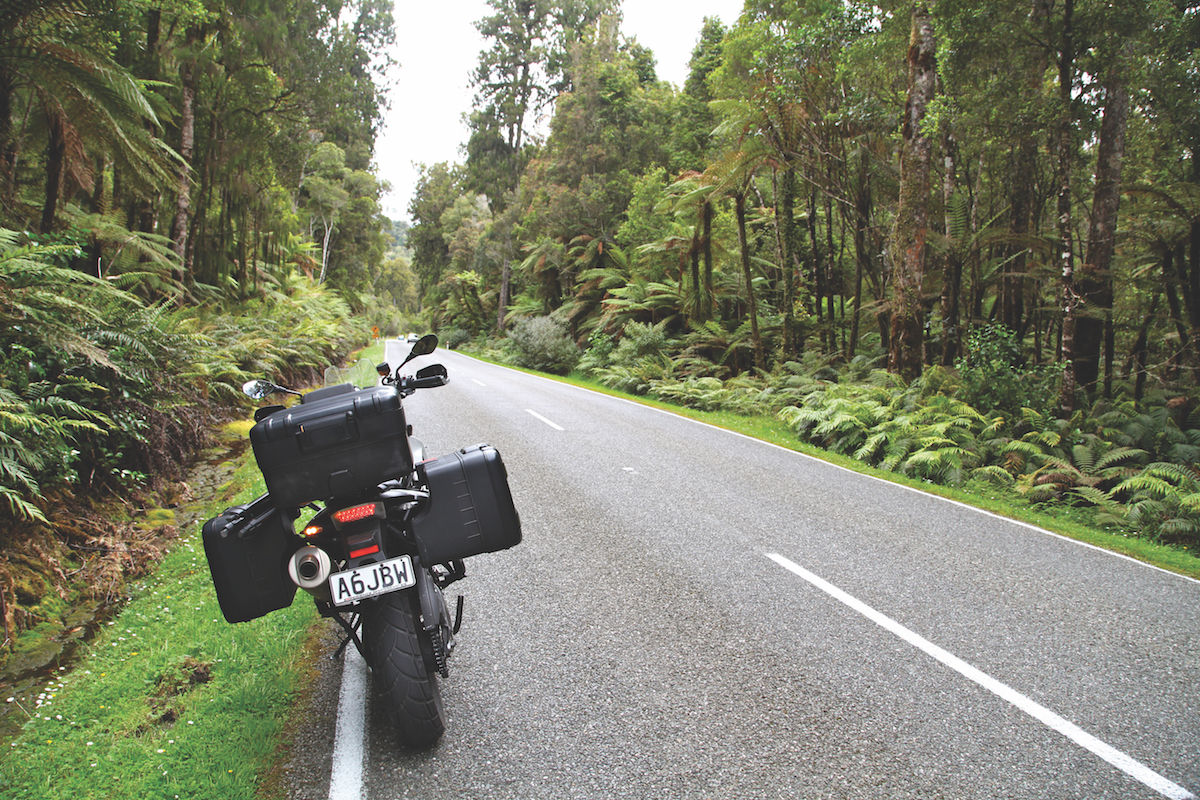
(170, 701)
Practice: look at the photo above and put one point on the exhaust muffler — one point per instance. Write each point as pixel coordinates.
(309, 568)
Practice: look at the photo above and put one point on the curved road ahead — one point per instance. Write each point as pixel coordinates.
(694, 614)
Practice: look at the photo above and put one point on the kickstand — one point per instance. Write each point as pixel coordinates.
(458, 614)
(351, 635)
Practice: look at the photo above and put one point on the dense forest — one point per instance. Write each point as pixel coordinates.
(186, 202)
(956, 240)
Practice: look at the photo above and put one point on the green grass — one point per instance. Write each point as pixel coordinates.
(170, 701)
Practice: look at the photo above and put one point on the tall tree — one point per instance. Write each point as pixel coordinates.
(1065, 143)
(518, 75)
(912, 215)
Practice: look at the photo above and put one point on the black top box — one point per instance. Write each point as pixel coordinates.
(332, 446)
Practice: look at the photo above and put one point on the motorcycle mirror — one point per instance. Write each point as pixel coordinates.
(423, 347)
(257, 390)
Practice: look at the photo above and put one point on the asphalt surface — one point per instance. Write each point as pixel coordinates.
(643, 643)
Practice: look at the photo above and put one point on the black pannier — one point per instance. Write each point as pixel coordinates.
(332, 446)
(470, 509)
(247, 549)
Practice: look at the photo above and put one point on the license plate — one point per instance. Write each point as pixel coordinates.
(371, 580)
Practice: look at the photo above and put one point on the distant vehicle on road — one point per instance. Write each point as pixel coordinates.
(412, 337)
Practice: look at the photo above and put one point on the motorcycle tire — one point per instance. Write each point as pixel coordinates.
(392, 636)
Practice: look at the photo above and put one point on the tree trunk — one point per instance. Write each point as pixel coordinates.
(1094, 286)
(831, 285)
(912, 216)
(1189, 275)
(744, 246)
(697, 300)
(862, 247)
(706, 244)
(1066, 256)
(818, 277)
(8, 143)
(1024, 178)
(1141, 351)
(187, 138)
(786, 231)
(952, 264)
(56, 151)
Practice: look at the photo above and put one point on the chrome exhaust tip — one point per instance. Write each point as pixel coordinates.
(309, 568)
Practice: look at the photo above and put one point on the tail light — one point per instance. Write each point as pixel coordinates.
(356, 513)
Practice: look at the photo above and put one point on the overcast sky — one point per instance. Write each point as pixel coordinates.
(437, 47)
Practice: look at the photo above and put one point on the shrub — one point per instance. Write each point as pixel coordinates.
(641, 357)
(543, 344)
(996, 378)
(598, 354)
(455, 338)
(1163, 502)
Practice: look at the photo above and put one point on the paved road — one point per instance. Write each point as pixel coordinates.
(694, 614)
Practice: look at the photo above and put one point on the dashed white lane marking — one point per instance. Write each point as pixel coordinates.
(543, 419)
(481, 383)
(1121, 761)
(346, 781)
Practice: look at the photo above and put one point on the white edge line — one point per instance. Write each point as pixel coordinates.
(958, 503)
(543, 419)
(1121, 761)
(346, 779)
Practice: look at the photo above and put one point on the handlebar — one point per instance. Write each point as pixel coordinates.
(426, 378)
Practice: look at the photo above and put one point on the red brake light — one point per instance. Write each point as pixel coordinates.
(355, 513)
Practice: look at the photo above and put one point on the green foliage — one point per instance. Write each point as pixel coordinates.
(455, 338)
(744, 395)
(99, 390)
(996, 378)
(1162, 503)
(1092, 464)
(543, 344)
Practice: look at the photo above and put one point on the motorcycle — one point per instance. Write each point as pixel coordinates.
(388, 533)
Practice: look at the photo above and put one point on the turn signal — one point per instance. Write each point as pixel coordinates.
(312, 530)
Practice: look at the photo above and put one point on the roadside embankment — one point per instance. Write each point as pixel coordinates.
(166, 699)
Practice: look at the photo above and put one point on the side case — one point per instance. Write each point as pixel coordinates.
(470, 508)
(247, 549)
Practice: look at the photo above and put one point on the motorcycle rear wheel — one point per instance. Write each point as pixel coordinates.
(392, 635)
